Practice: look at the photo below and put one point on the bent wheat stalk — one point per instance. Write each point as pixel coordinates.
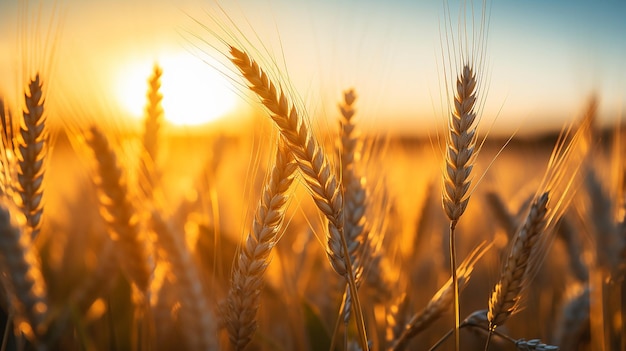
(244, 295)
(314, 166)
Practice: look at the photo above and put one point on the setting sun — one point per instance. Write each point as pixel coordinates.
(193, 92)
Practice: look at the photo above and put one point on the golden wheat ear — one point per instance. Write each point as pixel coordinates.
(315, 167)
(151, 137)
(32, 147)
(460, 157)
(461, 146)
(312, 161)
(244, 295)
(153, 113)
(119, 214)
(505, 297)
(354, 193)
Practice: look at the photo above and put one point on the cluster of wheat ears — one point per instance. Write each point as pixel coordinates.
(145, 282)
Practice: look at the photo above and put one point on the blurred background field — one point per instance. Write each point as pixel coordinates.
(211, 183)
(547, 66)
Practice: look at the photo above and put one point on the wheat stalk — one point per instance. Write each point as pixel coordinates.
(244, 295)
(118, 212)
(22, 275)
(460, 157)
(313, 164)
(32, 149)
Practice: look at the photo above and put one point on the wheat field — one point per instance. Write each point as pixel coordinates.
(288, 236)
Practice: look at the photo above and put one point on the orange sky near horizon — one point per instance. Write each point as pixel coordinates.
(543, 61)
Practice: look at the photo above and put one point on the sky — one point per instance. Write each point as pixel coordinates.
(543, 59)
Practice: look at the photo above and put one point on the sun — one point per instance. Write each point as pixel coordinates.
(194, 93)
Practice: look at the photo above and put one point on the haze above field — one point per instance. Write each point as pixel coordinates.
(544, 59)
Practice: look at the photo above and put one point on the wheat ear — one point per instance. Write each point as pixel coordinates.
(461, 146)
(244, 295)
(152, 127)
(313, 164)
(196, 318)
(312, 161)
(118, 212)
(22, 276)
(441, 301)
(354, 192)
(460, 157)
(506, 294)
(153, 113)
(32, 148)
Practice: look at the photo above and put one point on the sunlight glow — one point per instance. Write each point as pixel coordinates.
(193, 92)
